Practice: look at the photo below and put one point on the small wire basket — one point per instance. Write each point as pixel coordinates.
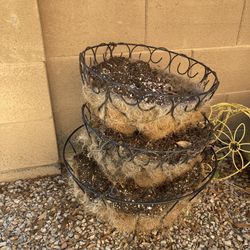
(147, 166)
(114, 195)
(127, 108)
(170, 61)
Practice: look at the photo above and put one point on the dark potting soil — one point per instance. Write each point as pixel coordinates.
(192, 137)
(90, 174)
(138, 81)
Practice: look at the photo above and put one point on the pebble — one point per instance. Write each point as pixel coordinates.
(4, 248)
(247, 237)
(163, 242)
(52, 218)
(228, 243)
(239, 238)
(77, 237)
(92, 237)
(79, 217)
(78, 229)
(64, 245)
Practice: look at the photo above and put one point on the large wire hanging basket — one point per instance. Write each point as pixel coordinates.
(129, 107)
(116, 195)
(147, 163)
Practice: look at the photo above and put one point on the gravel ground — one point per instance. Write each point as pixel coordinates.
(43, 214)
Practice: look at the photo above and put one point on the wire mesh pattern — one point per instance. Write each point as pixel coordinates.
(168, 61)
(126, 152)
(109, 196)
(232, 142)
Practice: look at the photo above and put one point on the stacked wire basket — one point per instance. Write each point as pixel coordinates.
(143, 154)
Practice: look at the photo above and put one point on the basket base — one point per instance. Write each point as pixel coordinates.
(127, 219)
(126, 222)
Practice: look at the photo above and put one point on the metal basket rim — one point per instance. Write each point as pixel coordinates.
(106, 195)
(203, 94)
(135, 149)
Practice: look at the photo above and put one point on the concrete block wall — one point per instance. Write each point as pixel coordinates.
(28, 145)
(214, 31)
(232, 67)
(68, 27)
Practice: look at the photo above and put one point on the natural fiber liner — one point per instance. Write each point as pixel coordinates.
(126, 222)
(129, 222)
(119, 170)
(123, 217)
(154, 124)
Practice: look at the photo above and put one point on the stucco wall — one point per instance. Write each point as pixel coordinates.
(28, 145)
(216, 32)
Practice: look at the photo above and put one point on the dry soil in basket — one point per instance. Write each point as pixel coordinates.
(195, 136)
(137, 80)
(89, 172)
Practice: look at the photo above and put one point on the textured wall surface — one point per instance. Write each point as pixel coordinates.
(193, 24)
(27, 133)
(20, 29)
(71, 25)
(214, 31)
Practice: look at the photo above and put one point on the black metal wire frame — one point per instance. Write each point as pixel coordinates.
(127, 152)
(187, 67)
(108, 196)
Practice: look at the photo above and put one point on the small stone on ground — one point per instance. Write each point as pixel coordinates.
(44, 214)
